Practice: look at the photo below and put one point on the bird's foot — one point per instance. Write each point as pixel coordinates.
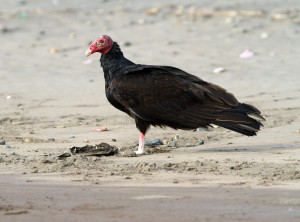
(139, 152)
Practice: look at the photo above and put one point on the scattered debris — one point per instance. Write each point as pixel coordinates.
(99, 130)
(27, 141)
(64, 155)
(113, 140)
(8, 97)
(6, 146)
(71, 136)
(2, 142)
(86, 141)
(102, 149)
(16, 212)
(246, 54)
(219, 69)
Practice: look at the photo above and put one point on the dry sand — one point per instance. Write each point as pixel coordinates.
(47, 91)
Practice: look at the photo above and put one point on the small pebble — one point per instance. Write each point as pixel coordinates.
(219, 69)
(2, 142)
(141, 21)
(165, 142)
(54, 50)
(148, 152)
(3, 28)
(201, 142)
(189, 144)
(172, 144)
(71, 136)
(129, 153)
(90, 23)
(113, 140)
(23, 15)
(126, 43)
(27, 140)
(175, 181)
(246, 54)
(178, 137)
(8, 97)
(264, 35)
(6, 147)
(51, 139)
(86, 141)
(72, 35)
(202, 129)
(22, 2)
(154, 142)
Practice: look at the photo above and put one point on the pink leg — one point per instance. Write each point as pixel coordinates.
(141, 144)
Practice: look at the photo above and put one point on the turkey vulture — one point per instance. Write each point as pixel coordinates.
(168, 96)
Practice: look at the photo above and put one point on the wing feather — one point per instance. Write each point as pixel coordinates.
(169, 95)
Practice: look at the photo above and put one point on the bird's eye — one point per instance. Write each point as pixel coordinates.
(101, 41)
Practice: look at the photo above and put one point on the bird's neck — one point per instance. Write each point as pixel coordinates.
(114, 60)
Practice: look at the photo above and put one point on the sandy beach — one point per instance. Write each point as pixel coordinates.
(52, 99)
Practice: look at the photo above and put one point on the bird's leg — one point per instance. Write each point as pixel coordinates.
(141, 144)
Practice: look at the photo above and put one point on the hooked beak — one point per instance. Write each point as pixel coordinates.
(88, 52)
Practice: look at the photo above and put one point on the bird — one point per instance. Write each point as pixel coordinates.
(167, 96)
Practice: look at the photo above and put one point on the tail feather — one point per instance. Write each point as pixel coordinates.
(237, 119)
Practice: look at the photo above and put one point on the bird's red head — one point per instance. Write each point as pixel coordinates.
(102, 44)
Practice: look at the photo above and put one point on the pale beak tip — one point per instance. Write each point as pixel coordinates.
(88, 52)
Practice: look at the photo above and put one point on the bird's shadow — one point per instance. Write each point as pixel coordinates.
(255, 148)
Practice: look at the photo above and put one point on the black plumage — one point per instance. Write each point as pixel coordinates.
(167, 96)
